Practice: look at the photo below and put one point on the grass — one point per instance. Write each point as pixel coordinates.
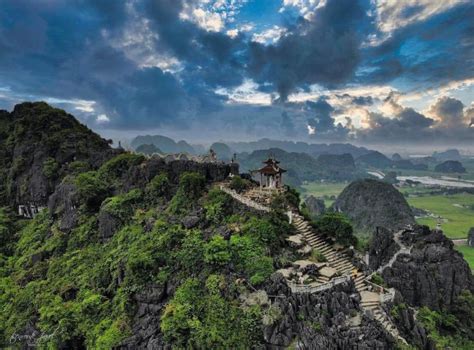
(468, 253)
(458, 219)
(455, 210)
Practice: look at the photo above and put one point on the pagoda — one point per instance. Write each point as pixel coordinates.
(271, 174)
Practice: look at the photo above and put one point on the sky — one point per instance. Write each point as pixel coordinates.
(377, 72)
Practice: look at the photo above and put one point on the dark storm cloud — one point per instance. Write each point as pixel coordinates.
(425, 53)
(324, 50)
(358, 100)
(449, 122)
(70, 50)
(212, 57)
(322, 120)
(69, 55)
(449, 111)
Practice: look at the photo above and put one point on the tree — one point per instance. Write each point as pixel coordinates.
(338, 227)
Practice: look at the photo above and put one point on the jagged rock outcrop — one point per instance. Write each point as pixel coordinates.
(372, 203)
(321, 320)
(315, 205)
(138, 176)
(150, 303)
(470, 237)
(39, 145)
(382, 249)
(405, 321)
(450, 166)
(62, 205)
(433, 275)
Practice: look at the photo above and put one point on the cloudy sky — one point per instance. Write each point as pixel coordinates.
(368, 72)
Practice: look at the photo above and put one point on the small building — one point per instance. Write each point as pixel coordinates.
(271, 174)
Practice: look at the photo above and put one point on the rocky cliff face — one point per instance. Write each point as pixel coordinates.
(372, 203)
(315, 205)
(433, 275)
(38, 146)
(328, 320)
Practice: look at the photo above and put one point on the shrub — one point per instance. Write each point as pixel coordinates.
(158, 187)
(238, 184)
(248, 256)
(217, 251)
(191, 187)
(122, 206)
(50, 168)
(115, 167)
(218, 205)
(338, 227)
(317, 256)
(377, 279)
(92, 189)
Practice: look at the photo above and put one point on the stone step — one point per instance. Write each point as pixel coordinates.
(315, 240)
(369, 303)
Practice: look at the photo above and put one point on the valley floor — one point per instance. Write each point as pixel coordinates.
(456, 212)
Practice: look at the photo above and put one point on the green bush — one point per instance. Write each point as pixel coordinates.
(191, 187)
(217, 251)
(338, 227)
(117, 166)
(199, 317)
(218, 206)
(157, 188)
(377, 279)
(78, 167)
(238, 184)
(92, 189)
(317, 256)
(50, 168)
(122, 206)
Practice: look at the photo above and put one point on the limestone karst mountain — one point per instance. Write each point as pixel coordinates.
(150, 252)
(371, 203)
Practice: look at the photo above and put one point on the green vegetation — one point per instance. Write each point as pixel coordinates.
(200, 317)
(50, 168)
(191, 187)
(455, 209)
(317, 256)
(445, 329)
(75, 287)
(337, 227)
(468, 253)
(377, 279)
(92, 189)
(238, 184)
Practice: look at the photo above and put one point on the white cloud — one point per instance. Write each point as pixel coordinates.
(306, 8)
(246, 93)
(209, 21)
(232, 33)
(138, 43)
(102, 119)
(212, 15)
(269, 36)
(392, 15)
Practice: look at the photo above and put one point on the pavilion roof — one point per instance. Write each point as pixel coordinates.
(271, 169)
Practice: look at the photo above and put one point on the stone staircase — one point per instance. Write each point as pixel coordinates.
(403, 250)
(371, 302)
(335, 259)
